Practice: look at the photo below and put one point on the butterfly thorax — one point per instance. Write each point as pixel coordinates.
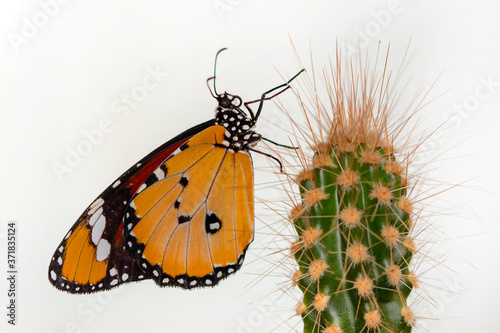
(239, 128)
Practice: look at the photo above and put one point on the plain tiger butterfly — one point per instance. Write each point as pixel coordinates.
(182, 216)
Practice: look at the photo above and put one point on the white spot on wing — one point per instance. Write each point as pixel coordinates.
(114, 282)
(98, 229)
(53, 275)
(141, 188)
(214, 226)
(103, 249)
(59, 260)
(118, 182)
(177, 151)
(95, 216)
(95, 205)
(124, 277)
(113, 271)
(159, 174)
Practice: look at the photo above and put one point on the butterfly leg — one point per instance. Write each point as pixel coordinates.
(264, 98)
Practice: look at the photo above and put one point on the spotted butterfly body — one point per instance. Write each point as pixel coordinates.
(182, 216)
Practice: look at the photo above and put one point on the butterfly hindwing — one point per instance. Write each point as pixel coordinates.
(191, 221)
(92, 256)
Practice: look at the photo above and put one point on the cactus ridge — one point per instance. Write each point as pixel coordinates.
(354, 261)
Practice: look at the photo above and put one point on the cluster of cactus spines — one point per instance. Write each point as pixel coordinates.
(354, 217)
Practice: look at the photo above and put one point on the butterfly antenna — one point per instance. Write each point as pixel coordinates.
(209, 88)
(215, 69)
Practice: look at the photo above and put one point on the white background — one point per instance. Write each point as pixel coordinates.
(67, 74)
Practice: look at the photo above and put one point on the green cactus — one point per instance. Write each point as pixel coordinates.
(354, 220)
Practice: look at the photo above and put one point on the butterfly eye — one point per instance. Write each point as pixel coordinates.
(228, 101)
(236, 101)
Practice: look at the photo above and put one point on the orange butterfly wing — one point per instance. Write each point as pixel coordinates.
(92, 256)
(192, 220)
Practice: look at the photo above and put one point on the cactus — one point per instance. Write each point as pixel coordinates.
(354, 218)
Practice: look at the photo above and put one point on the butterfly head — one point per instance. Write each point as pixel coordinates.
(228, 101)
(239, 134)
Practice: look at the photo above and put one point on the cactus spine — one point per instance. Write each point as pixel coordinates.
(354, 219)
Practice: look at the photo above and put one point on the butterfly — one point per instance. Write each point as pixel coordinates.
(182, 216)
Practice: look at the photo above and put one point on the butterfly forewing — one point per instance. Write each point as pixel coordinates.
(92, 257)
(191, 221)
